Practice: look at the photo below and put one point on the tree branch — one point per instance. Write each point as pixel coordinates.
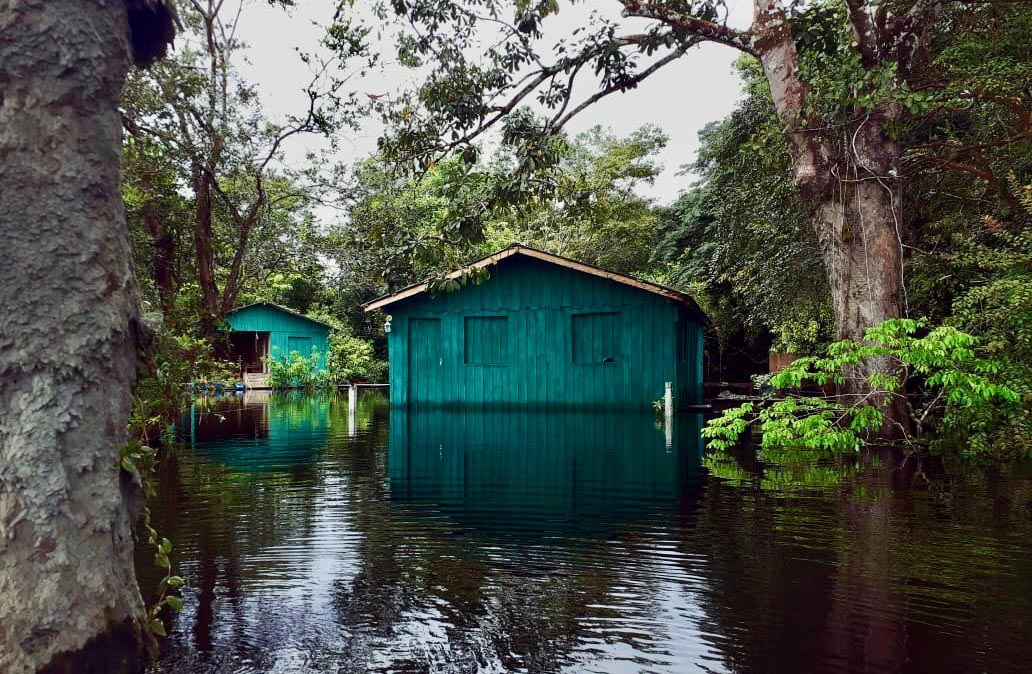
(863, 31)
(693, 25)
(629, 83)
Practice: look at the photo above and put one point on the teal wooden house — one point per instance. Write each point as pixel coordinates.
(265, 330)
(543, 330)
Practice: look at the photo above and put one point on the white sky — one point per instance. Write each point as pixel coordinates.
(681, 98)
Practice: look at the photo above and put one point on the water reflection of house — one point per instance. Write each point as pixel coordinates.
(260, 331)
(498, 468)
(248, 433)
(543, 329)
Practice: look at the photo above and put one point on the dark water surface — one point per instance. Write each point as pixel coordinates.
(516, 541)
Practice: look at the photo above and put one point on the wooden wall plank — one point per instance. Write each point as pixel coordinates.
(539, 300)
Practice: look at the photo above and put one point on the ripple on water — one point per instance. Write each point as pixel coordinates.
(528, 542)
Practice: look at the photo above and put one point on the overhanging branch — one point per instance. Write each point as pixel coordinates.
(558, 122)
(691, 24)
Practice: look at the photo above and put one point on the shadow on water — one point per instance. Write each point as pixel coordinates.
(318, 540)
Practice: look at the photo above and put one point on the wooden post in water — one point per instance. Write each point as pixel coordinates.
(352, 409)
(668, 413)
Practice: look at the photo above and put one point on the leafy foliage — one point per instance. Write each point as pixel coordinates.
(998, 308)
(404, 230)
(740, 239)
(937, 375)
(295, 370)
(352, 359)
(207, 186)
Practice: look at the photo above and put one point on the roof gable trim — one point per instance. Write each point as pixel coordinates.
(520, 249)
(283, 309)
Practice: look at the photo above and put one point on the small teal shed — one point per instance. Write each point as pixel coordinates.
(543, 330)
(262, 330)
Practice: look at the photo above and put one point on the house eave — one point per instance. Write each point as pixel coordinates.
(520, 249)
(284, 310)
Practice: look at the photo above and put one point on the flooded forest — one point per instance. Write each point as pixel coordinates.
(490, 336)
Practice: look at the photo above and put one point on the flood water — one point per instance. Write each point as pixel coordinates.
(523, 541)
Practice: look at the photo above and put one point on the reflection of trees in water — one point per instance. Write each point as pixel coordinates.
(873, 575)
(251, 462)
(503, 539)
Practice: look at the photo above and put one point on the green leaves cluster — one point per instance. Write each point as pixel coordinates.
(168, 584)
(405, 230)
(140, 462)
(295, 370)
(934, 373)
(998, 308)
(352, 359)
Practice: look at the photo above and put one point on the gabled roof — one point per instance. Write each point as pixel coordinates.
(281, 308)
(552, 258)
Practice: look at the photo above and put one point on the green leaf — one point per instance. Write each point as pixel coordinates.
(157, 627)
(174, 602)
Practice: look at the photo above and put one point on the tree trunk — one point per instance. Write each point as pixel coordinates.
(163, 255)
(848, 176)
(855, 218)
(232, 289)
(858, 228)
(68, 594)
(203, 234)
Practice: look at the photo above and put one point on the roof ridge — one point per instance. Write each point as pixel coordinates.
(283, 309)
(545, 256)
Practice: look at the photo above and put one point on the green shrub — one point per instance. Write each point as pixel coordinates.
(352, 359)
(297, 371)
(940, 376)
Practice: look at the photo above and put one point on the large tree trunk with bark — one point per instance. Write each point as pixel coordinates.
(68, 594)
(163, 253)
(211, 313)
(855, 200)
(852, 186)
(848, 176)
(855, 196)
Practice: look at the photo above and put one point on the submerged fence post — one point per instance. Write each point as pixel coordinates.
(668, 413)
(352, 409)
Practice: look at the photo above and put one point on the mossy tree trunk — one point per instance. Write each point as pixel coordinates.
(69, 600)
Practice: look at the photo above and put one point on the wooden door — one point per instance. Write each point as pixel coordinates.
(426, 360)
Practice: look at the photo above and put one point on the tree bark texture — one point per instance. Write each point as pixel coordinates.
(69, 600)
(856, 219)
(203, 235)
(847, 175)
(163, 256)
